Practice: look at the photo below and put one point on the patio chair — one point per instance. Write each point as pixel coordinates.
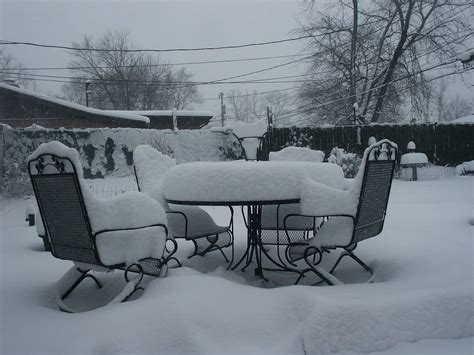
(250, 137)
(127, 232)
(191, 223)
(353, 215)
(298, 227)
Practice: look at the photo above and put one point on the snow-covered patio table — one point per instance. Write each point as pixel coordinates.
(246, 183)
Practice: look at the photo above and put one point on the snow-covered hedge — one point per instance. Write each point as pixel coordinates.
(349, 162)
(105, 151)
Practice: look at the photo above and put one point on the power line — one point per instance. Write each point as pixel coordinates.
(252, 94)
(168, 64)
(84, 79)
(90, 49)
(8, 42)
(408, 87)
(177, 85)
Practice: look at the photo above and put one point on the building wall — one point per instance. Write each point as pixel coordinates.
(184, 122)
(20, 110)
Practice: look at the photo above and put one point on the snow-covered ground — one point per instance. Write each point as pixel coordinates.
(421, 303)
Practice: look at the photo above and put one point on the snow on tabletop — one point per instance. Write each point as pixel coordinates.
(95, 111)
(252, 129)
(246, 180)
(414, 158)
(297, 154)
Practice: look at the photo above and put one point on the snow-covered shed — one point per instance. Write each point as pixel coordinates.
(24, 108)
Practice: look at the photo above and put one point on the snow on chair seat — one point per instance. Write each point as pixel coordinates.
(188, 222)
(353, 215)
(126, 232)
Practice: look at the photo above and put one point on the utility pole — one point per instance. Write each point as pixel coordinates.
(269, 118)
(221, 96)
(88, 82)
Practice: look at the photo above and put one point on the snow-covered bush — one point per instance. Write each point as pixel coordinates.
(465, 168)
(298, 139)
(349, 162)
(103, 152)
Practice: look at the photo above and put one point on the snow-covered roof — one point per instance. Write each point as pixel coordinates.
(167, 113)
(111, 114)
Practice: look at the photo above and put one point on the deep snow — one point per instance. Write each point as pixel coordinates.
(421, 303)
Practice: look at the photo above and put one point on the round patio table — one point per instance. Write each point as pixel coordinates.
(246, 183)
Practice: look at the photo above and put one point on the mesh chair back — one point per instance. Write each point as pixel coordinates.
(375, 192)
(251, 146)
(62, 208)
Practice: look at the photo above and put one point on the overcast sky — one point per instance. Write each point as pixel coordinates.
(159, 24)
(162, 24)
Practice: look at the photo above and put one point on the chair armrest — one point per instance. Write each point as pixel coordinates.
(126, 211)
(321, 200)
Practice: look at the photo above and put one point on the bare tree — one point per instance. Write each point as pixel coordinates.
(12, 70)
(244, 106)
(182, 93)
(249, 107)
(448, 107)
(124, 80)
(367, 55)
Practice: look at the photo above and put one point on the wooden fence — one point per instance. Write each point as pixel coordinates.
(444, 144)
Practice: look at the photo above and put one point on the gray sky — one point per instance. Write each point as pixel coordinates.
(169, 24)
(161, 24)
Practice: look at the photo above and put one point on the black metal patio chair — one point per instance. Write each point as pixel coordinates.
(191, 223)
(352, 216)
(282, 225)
(93, 233)
(250, 137)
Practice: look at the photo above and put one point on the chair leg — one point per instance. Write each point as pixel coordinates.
(309, 258)
(83, 274)
(171, 252)
(131, 286)
(350, 254)
(74, 276)
(69, 282)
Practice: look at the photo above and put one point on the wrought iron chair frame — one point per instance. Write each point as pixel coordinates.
(259, 148)
(148, 266)
(307, 251)
(213, 242)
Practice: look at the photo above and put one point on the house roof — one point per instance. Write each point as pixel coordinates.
(64, 103)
